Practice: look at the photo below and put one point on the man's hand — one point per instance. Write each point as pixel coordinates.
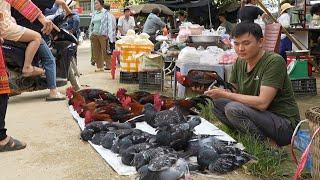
(48, 25)
(64, 6)
(1, 40)
(216, 93)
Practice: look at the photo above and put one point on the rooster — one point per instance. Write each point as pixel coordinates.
(203, 79)
(112, 112)
(165, 103)
(138, 96)
(95, 116)
(92, 95)
(133, 106)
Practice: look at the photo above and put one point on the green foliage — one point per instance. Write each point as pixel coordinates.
(223, 3)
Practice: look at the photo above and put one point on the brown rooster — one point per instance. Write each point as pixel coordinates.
(92, 95)
(93, 116)
(134, 107)
(165, 103)
(142, 97)
(203, 79)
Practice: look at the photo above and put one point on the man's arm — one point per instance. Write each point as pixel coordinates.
(120, 23)
(160, 22)
(271, 82)
(64, 6)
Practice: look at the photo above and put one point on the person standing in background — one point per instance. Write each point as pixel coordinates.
(100, 30)
(182, 17)
(126, 22)
(284, 19)
(249, 11)
(153, 24)
(224, 23)
(112, 40)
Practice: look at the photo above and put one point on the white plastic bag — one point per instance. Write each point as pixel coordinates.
(261, 23)
(188, 55)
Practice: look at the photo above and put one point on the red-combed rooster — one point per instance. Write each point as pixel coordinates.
(133, 106)
(165, 103)
(75, 99)
(92, 116)
(203, 79)
(92, 95)
(142, 97)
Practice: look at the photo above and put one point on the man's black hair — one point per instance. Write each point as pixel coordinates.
(156, 11)
(106, 6)
(247, 27)
(315, 9)
(223, 14)
(182, 13)
(101, 2)
(126, 9)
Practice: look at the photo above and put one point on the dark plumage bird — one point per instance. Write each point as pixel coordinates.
(218, 156)
(144, 157)
(178, 135)
(97, 137)
(127, 155)
(87, 134)
(169, 117)
(165, 167)
(90, 130)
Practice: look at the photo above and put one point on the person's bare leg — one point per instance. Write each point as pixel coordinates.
(34, 40)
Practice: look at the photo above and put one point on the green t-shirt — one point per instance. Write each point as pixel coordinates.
(269, 71)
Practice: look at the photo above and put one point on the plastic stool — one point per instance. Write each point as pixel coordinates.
(114, 57)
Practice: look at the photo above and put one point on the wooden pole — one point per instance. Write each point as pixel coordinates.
(284, 29)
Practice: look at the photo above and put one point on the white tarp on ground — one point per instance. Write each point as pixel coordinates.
(114, 160)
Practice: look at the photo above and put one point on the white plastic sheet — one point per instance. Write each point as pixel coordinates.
(205, 128)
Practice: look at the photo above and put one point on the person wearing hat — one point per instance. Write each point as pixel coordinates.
(126, 22)
(284, 19)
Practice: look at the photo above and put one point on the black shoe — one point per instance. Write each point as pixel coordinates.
(107, 69)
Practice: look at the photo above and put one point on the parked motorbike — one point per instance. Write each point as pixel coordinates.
(63, 46)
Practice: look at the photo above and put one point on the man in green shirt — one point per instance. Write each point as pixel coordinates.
(264, 104)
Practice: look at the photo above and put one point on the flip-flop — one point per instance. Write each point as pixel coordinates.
(34, 72)
(99, 70)
(12, 145)
(57, 97)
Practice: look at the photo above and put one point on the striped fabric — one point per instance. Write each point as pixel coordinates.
(26, 8)
(4, 84)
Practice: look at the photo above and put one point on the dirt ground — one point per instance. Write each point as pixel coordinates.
(54, 150)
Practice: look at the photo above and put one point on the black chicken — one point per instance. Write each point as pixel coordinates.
(90, 129)
(177, 135)
(217, 156)
(144, 157)
(168, 167)
(127, 155)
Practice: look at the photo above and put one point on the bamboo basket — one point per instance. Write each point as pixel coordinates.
(313, 115)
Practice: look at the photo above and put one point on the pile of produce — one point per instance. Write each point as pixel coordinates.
(133, 39)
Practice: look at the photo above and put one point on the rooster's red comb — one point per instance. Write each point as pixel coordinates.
(121, 92)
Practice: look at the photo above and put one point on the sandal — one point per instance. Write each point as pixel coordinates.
(99, 70)
(12, 145)
(57, 97)
(35, 72)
